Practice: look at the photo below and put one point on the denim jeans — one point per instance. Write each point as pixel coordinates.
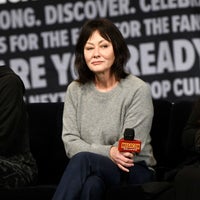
(88, 175)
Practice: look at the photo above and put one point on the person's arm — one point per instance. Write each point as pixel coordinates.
(11, 109)
(71, 133)
(139, 116)
(191, 132)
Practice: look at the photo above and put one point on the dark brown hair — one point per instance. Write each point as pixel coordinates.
(109, 32)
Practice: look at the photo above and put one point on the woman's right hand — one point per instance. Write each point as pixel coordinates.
(123, 160)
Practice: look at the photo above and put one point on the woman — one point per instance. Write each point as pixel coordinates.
(99, 106)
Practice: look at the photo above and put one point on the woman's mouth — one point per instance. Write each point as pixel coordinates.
(96, 62)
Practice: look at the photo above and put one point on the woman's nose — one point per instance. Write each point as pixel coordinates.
(96, 53)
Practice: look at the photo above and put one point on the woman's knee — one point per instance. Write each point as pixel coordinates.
(82, 155)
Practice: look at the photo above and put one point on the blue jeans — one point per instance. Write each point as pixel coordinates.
(87, 176)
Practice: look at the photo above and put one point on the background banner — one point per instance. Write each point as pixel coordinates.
(37, 40)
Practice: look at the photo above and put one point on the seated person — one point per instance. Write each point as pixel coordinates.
(17, 165)
(103, 102)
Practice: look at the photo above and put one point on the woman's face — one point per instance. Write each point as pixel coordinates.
(99, 54)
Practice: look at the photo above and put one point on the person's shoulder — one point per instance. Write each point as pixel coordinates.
(13, 78)
(133, 80)
(11, 86)
(74, 85)
(133, 84)
(10, 78)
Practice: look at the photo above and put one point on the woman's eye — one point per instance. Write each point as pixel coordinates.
(89, 48)
(104, 46)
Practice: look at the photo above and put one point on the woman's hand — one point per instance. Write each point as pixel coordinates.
(123, 160)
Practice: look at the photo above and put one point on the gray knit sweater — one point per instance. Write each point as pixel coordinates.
(94, 121)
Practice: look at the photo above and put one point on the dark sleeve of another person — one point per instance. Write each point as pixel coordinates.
(13, 116)
(191, 132)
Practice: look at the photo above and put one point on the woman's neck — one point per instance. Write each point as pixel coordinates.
(105, 84)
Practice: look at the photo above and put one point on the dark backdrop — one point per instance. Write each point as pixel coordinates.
(37, 41)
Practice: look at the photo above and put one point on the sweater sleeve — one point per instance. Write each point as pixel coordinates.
(139, 115)
(71, 135)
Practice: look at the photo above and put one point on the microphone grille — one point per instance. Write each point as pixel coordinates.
(129, 134)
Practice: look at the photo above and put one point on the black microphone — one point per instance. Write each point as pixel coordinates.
(128, 143)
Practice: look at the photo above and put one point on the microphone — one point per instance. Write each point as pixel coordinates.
(128, 143)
